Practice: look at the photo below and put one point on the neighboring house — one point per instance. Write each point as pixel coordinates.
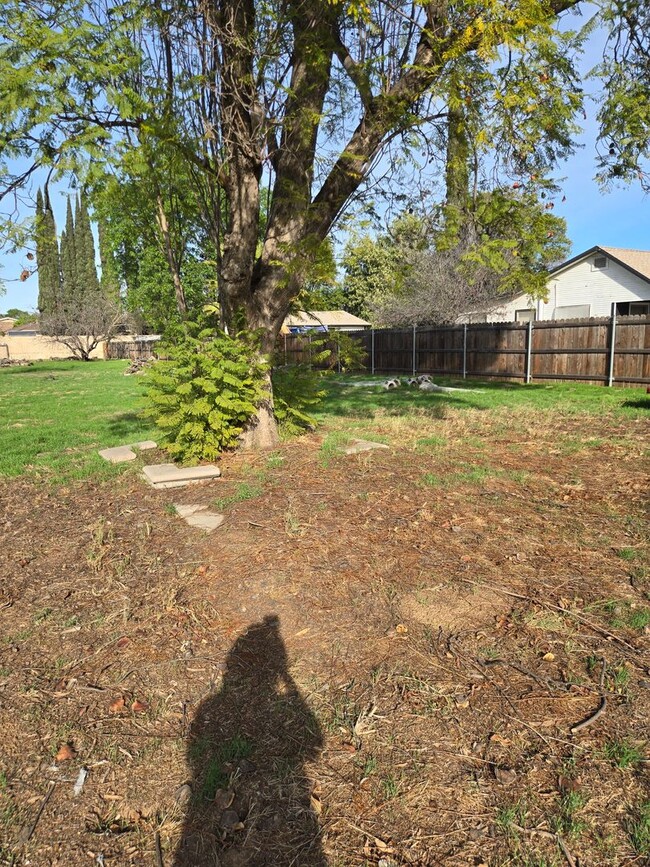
(323, 320)
(27, 329)
(6, 323)
(585, 286)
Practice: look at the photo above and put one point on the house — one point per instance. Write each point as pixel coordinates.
(585, 286)
(6, 323)
(323, 320)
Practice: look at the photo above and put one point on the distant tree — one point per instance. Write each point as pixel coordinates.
(82, 325)
(502, 247)
(86, 279)
(47, 254)
(376, 268)
(69, 285)
(110, 281)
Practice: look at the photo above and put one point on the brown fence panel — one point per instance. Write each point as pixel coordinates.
(497, 350)
(632, 357)
(131, 350)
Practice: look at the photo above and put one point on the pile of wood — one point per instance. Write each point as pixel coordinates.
(138, 365)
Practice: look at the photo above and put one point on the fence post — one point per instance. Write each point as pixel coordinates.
(372, 350)
(612, 347)
(528, 369)
(415, 363)
(285, 350)
(309, 350)
(465, 351)
(338, 354)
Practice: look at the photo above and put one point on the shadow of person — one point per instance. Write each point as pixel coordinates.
(251, 802)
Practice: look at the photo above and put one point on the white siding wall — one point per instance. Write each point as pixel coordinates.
(580, 284)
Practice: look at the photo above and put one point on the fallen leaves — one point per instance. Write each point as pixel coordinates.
(65, 753)
(117, 706)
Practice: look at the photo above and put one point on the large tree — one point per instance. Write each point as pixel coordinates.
(304, 96)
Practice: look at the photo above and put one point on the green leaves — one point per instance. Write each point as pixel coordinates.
(204, 392)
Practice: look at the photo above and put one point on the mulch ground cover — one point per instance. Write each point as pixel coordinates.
(378, 659)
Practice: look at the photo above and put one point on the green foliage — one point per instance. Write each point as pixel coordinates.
(347, 354)
(47, 254)
(297, 390)
(204, 392)
(638, 829)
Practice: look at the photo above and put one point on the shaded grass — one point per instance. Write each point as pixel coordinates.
(56, 415)
(569, 398)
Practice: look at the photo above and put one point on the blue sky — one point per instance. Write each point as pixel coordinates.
(617, 218)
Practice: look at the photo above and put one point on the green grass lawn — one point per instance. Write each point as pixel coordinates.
(56, 415)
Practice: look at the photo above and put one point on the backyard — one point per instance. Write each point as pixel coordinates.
(383, 658)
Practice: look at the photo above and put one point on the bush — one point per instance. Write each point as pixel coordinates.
(204, 392)
(296, 390)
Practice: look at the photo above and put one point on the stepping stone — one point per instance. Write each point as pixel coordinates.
(118, 454)
(170, 476)
(205, 520)
(145, 445)
(186, 511)
(363, 446)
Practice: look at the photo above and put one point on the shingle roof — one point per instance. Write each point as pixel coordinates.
(316, 318)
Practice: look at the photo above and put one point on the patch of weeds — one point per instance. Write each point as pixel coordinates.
(70, 622)
(476, 475)
(274, 461)
(425, 443)
(390, 787)
(216, 757)
(244, 491)
(21, 635)
(628, 553)
(292, 523)
(619, 678)
(566, 821)
(431, 480)
(42, 615)
(331, 446)
(625, 615)
(509, 816)
(623, 754)
(170, 509)
(101, 538)
(547, 620)
(638, 829)
(369, 767)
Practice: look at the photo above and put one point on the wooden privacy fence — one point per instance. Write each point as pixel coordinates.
(132, 350)
(613, 350)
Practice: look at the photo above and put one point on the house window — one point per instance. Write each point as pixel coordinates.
(527, 315)
(600, 262)
(639, 308)
(572, 311)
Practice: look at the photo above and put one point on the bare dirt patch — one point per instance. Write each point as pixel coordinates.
(454, 608)
(270, 694)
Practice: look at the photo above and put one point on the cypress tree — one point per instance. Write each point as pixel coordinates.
(69, 259)
(85, 249)
(47, 255)
(110, 284)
